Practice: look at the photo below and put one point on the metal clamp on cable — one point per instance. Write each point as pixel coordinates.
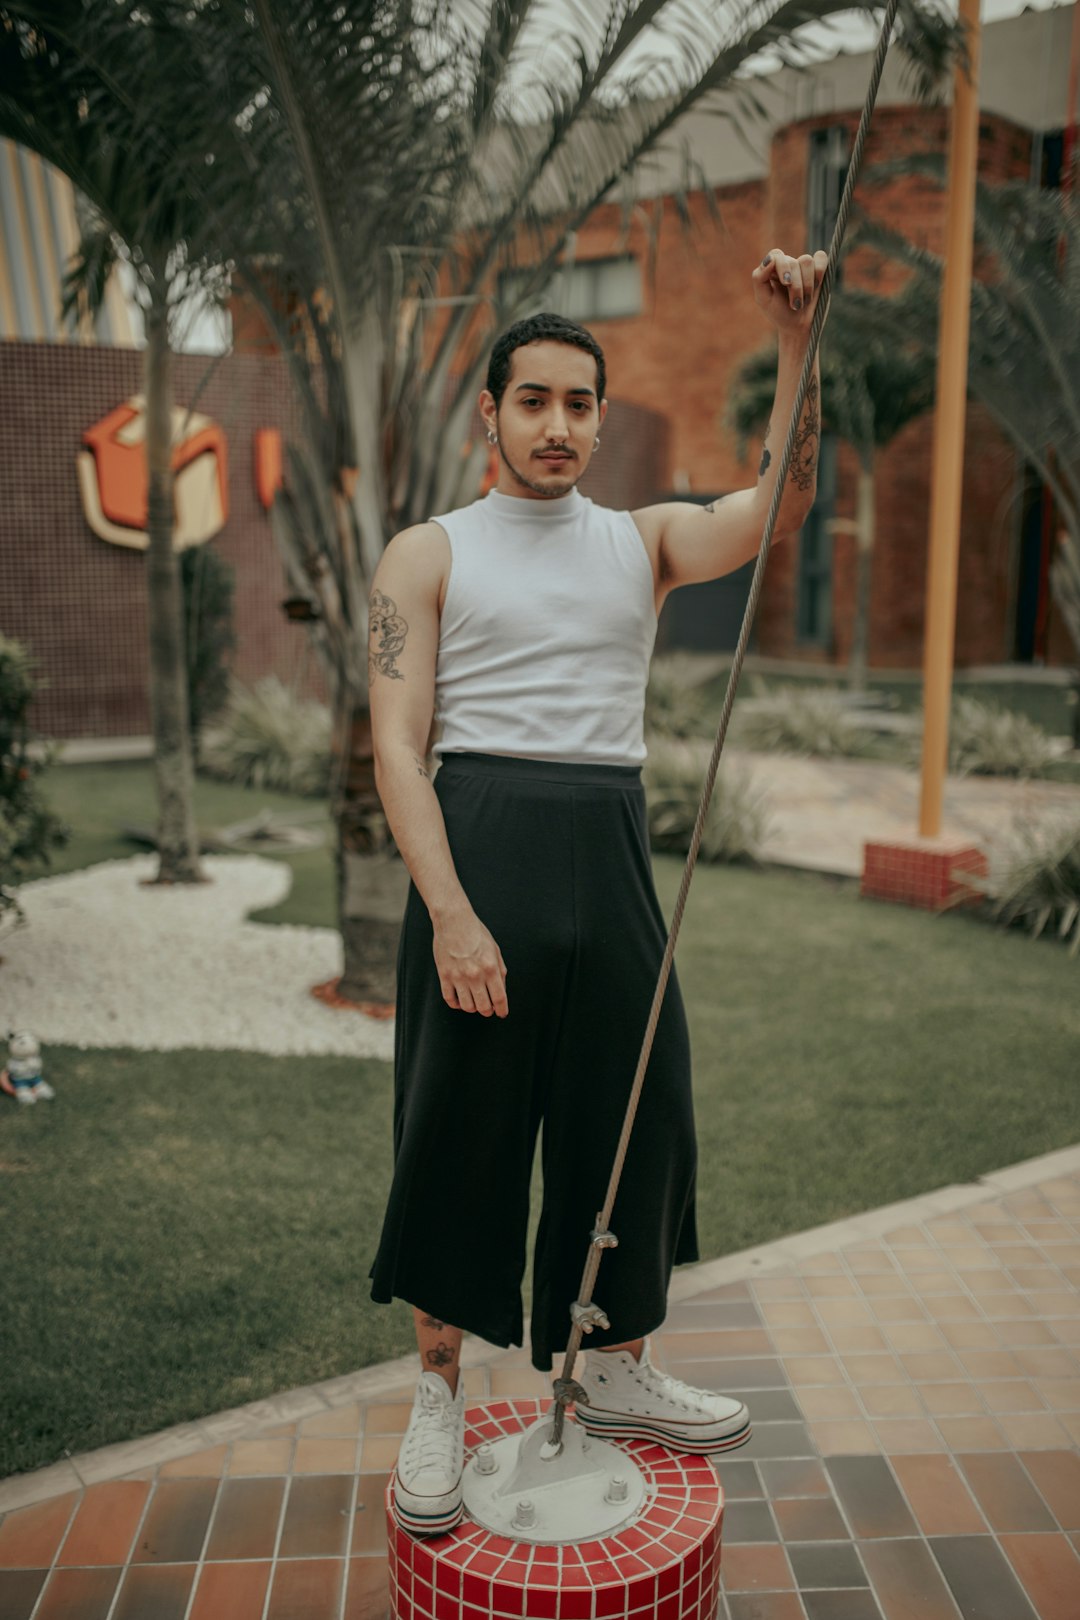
(568, 1390)
(603, 1240)
(587, 1317)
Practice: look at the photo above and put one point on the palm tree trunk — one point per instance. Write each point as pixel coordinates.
(178, 843)
(858, 662)
(372, 879)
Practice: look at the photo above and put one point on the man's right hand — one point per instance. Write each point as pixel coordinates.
(472, 972)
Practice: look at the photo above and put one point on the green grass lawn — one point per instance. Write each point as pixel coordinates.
(187, 1231)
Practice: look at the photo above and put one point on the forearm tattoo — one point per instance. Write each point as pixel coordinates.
(805, 452)
(433, 1322)
(422, 770)
(387, 630)
(766, 455)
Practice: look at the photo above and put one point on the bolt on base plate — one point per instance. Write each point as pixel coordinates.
(588, 1489)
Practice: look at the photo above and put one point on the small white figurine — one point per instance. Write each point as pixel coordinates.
(22, 1078)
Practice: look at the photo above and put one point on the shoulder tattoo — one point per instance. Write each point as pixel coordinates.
(387, 632)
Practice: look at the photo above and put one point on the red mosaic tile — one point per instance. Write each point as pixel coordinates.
(30, 1536)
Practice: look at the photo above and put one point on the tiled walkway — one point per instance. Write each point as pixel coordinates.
(914, 1377)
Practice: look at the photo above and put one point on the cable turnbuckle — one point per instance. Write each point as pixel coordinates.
(587, 1317)
(603, 1239)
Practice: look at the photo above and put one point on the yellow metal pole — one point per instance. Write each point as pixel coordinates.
(948, 457)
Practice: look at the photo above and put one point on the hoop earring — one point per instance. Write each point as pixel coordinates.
(492, 438)
(596, 444)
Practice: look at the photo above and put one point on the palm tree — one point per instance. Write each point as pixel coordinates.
(874, 381)
(1024, 360)
(420, 153)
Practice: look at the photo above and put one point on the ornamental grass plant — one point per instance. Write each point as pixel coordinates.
(738, 817)
(988, 740)
(268, 737)
(1036, 885)
(800, 719)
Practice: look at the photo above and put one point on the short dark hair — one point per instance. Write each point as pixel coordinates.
(543, 328)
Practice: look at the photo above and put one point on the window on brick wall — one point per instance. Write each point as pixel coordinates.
(814, 601)
(826, 172)
(591, 290)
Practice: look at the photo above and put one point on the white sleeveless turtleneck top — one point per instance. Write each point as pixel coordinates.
(547, 630)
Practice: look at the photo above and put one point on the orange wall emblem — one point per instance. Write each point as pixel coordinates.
(113, 478)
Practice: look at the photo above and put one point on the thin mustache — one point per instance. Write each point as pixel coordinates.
(569, 454)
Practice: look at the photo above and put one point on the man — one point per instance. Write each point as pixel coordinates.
(532, 937)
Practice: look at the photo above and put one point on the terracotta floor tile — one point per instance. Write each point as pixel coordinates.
(1057, 1475)
(907, 1581)
(917, 1264)
(325, 1456)
(844, 1437)
(1003, 1490)
(805, 1477)
(750, 1341)
(950, 1399)
(810, 1518)
(342, 1421)
(859, 1604)
(261, 1456)
(842, 1310)
(869, 1258)
(1051, 1303)
(982, 1364)
(831, 1401)
(369, 1521)
(29, 1536)
(870, 1496)
(790, 1287)
(387, 1419)
(154, 1593)
(831, 1288)
(931, 1366)
(780, 1440)
(971, 1434)
(279, 1431)
(740, 1479)
(799, 1341)
(1044, 1362)
(765, 1606)
(1011, 1395)
(970, 1336)
(787, 1313)
(857, 1338)
(756, 1568)
(897, 1308)
(1012, 1334)
(1049, 1572)
(732, 1290)
(306, 1589)
(770, 1405)
(105, 1524)
(1061, 1394)
(79, 1594)
(691, 1316)
(748, 1522)
(738, 1372)
(885, 1282)
(980, 1578)
(951, 1308)
(316, 1516)
(936, 1281)
(246, 1521)
(367, 1596)
(174, 1528)
(814, 1370)
(210, 1462)
(379, 1453)
(235, 1591)
(1071, 1422)
(1068, 1333)
(873, 1369)
(907, 1434)
(19, 1590)
(891, 1400)
(1033, 1430)
(916, 1336)
(835, 1565)
(518, 1381)
(1031, 1277)
(819, 1265)
(907, 1237)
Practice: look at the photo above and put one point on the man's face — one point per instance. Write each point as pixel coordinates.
(547, 421)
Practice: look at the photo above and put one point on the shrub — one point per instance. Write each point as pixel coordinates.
(29, 830)
(268, 737)
(1037, 883)
(987, 740)
(675, 697)
(808, 719)
(208, 584)
(738, 815)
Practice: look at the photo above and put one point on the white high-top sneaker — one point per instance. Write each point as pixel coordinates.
(636, 1400)
(427, 1481)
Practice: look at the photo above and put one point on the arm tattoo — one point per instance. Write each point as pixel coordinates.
(766, 455)
(433, 1322)
(711, 507)
(388, 631)
(805, 452)
(441, 1356)
(421, 770)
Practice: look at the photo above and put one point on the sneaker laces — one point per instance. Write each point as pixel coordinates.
(433, 1433)
(669, 1388)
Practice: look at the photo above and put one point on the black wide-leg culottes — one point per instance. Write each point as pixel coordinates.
(554, 858)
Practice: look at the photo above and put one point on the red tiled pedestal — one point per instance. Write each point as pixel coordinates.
(928, 872)
(665, 1566)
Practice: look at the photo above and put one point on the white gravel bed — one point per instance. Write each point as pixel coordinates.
(105, 961)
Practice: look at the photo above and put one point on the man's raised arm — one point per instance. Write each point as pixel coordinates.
(402, 649)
